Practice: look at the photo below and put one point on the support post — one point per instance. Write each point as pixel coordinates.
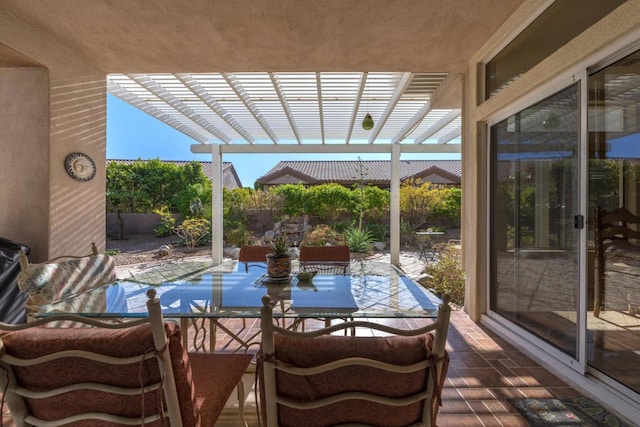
(216, 205)
(394, 207)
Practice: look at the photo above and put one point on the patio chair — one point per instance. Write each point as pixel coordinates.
(64, 277)
(133, 373)
(315, 379)
(335, 259)
(325, 259)
(254, 254)
(617, 239)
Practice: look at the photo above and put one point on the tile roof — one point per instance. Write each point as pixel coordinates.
(375, 171)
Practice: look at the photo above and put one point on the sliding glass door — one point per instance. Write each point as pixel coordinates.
(534, 222)
(613, 321)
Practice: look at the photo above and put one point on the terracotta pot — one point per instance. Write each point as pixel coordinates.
(278, 267)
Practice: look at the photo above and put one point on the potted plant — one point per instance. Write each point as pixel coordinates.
(279, 262)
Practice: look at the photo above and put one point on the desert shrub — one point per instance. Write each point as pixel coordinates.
(418, 201)
(322, 235)
(360, 241)
(379, 232)
(167, 222)
(193, 231)
(236, 236)
(447, 275)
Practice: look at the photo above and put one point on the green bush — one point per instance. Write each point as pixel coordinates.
(379, 232)
(447, 275)
(322, 235)
(193, 231)
(167, 222)
(237, 236)
(360, 241)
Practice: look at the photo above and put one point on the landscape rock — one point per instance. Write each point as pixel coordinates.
(164, 250)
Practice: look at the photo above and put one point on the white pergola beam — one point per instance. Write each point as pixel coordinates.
(285, 106)
(452, 134)
(325, 148)
(391, 105)
(320, 106)
(198, 91)
(167, 97)
(412, 124)
(439, 125)
(139, 103)
(237, 88)
(356, 106)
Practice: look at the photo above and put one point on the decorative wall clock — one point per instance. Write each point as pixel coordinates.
(80, 167)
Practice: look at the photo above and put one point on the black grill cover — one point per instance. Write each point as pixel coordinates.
(11, 298)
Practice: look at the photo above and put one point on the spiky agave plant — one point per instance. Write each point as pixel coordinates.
(280, 247)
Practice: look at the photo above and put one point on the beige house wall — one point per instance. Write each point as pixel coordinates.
(618, 29)
(24, 157)
(62, 112)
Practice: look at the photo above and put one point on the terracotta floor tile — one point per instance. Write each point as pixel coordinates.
(482, 377)
(455, 406)
(476, 393)
(468, 359)
(512, 420)
(489, 420)
(565, 392)
(538, 377)
(537, 392)
(458, 420)
(508, 393)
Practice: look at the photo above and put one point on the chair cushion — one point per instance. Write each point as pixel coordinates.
(38, 341)
(55, 281)
(308, 352)
(215, 377)
(254, 253)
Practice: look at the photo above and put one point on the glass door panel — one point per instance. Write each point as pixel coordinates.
(534, 244)
(613, 318)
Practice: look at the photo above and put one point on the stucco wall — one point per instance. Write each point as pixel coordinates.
(613, 32)
(24, 157)
(71, 99)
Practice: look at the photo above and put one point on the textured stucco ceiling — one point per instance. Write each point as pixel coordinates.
(154, 42)
(145, 36)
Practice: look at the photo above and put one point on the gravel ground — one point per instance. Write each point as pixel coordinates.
(141, 248)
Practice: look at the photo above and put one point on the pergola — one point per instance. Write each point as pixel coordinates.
(244, 76)
(299, 112)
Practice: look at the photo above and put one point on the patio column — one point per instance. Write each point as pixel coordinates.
(216, 205)
(394, 207)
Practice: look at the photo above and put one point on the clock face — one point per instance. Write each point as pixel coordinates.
(80, 167)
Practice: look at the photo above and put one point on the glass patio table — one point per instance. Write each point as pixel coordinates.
(372, 290)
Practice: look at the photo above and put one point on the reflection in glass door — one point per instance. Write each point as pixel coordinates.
(613, 321)
(534, 244)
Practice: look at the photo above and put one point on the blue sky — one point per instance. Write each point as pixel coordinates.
(133, 134)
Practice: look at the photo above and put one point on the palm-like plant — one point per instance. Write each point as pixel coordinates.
(280, 247)
(358, 240)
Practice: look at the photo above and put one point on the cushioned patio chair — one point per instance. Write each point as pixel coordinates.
(333, 259)
(254, 254)
(617, 240)
(314, 379)
(63, 277)
(132, 373)
(325, 259)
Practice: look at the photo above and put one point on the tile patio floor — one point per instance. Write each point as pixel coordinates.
(484, 372)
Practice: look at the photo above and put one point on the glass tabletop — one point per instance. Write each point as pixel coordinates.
(371, 290)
